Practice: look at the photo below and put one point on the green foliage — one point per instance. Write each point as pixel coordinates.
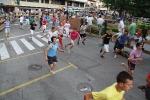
(18, 2)
(143, 26)
(139, 8)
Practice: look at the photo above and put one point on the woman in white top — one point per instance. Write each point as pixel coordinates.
(67, 27)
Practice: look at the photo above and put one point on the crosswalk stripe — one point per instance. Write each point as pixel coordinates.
(37, 42)
(16, 47)
(27, 44)
(3, 52)
(44, 39)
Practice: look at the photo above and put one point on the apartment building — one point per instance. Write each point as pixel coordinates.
(72, 4)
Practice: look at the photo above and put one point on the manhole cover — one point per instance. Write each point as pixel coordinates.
(34, 67)
(84, 87)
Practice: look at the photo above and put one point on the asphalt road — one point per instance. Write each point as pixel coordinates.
(81, 70)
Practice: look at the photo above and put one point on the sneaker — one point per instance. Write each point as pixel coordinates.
(115, 56)
(52, 72)
(102, 56)
(142, 88)
(65, 45)
(83, 43)
(77, 43)
(68, 51)
(30, 37)
(122, 64)
(101, 51)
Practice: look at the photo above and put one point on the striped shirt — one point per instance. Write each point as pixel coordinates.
(7, 24)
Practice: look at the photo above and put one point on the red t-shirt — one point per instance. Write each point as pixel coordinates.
(63, 23)
(149, 78)
(73, 35)
(44, 22)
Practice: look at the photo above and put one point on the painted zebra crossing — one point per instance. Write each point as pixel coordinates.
(4, 54)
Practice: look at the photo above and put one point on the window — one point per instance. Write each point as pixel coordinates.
(81, 4)
(32, 0)
(42, 1)
(58, 2)
(76, 4)
(47, 1)
(69, 3)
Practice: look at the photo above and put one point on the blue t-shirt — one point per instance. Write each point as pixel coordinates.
(123, 39)
(52, 51)
(27, 17)
(7, 24)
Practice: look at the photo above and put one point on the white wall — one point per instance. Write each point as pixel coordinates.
(5, 2)
(33, 4)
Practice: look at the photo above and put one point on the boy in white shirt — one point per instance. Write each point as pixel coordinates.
(67, 27)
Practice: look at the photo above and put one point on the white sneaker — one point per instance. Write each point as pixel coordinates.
(30, 37)
(115, 56)
(68, 51)
(52, 72)
(122, 64)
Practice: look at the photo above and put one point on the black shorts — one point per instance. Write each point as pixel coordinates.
(119, 46)
(21, 23)
(83, 35)
(49, 42)
(131, 65)
(51, 60)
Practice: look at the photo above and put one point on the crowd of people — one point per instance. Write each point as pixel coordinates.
(124, 79)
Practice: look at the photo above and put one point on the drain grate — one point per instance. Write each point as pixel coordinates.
(34, 67)
(84, 87)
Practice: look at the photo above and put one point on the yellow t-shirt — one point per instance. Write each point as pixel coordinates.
(110, 93)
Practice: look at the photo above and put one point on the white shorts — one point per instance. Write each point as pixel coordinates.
(44, 27)
(72, 41)
(32, 31)
(106, 47)
(7, 30)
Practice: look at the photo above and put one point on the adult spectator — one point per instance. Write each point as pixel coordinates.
(132, 30)
(89, 21)
(120, 25)
(100, 22)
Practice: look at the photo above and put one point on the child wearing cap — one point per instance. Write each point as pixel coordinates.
(137, 39)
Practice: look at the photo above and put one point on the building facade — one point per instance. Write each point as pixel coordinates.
(73, 4)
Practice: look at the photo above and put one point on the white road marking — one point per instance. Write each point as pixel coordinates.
(27, 44)
(44, 39)
(37, 42)
(21, 35)
(16, 47)
(3, 52)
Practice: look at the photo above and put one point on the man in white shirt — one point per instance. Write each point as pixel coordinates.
(100, 22)
(50, 34)
(21, 22)
(89, 20)
(120, 25)
(66, 27)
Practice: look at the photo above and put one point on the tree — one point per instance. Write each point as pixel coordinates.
(139, 8)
